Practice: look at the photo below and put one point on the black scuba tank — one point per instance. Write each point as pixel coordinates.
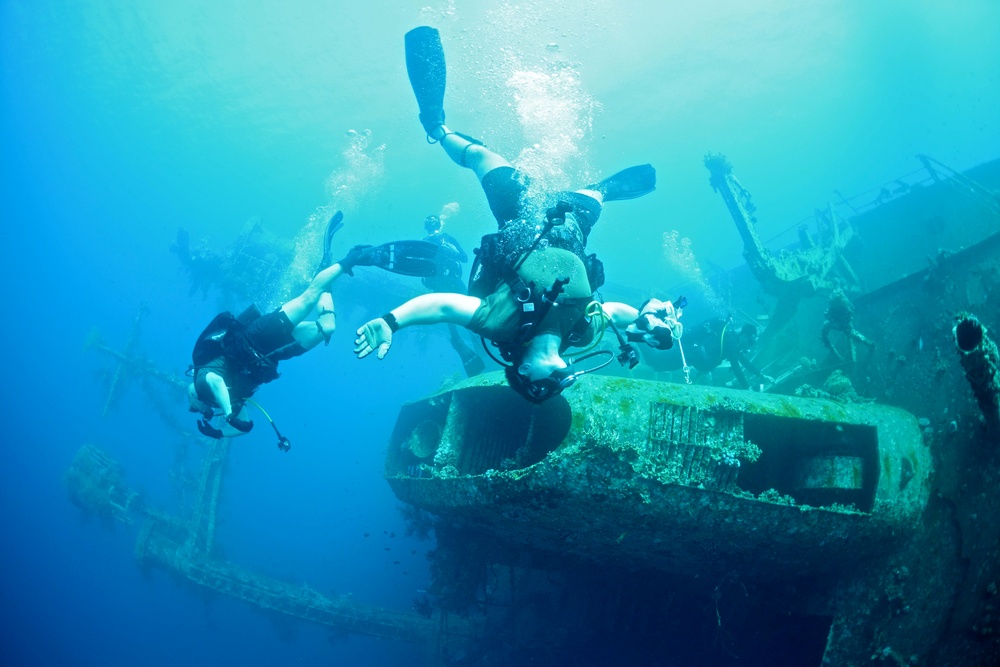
(222, 335)
(208, 346)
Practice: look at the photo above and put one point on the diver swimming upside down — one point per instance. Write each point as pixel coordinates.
(532, 285)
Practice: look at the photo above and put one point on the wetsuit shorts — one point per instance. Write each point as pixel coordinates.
(505, 188)
(271, 334)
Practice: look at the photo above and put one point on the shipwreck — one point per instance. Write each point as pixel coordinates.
(844, 517)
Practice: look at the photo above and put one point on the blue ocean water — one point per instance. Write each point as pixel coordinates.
(121, 123)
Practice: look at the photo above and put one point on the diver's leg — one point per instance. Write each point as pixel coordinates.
(467, 153)
(308, 335)
(298, 308)
(311, 333)
(626, 184)
(427, 71)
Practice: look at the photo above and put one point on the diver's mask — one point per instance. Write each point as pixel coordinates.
(538, 391)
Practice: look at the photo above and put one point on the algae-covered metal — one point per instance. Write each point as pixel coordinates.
(677, 478)
(979, 357)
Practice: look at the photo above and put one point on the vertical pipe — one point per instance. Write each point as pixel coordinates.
(980, 359)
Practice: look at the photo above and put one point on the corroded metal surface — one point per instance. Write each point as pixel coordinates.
(672, 477)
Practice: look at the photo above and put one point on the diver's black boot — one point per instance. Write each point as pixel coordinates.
(426, 68)
(332, 227)
(627, 183)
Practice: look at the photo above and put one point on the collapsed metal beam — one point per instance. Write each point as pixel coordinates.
(157, 546)
(737, 199)
(129, 363)
(185, 548)
(819, 266)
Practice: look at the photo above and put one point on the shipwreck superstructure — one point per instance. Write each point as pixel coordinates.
(659, 475)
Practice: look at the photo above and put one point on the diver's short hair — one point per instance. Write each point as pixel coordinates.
(432, 223)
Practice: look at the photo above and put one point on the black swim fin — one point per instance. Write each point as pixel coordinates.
(628, 183)
(332, 227)
(426, 68)
(407, 258)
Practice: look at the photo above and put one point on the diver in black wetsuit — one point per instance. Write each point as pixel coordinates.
(719, 340)
(234, 356)
(449, 259)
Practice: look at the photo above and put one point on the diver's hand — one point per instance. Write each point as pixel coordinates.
(241, 425)
(657, 324)
(209, 430)
(374, 336)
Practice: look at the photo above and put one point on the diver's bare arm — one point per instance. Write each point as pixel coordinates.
(220, 391)
(376, 335)
(621, 314)
(656, 323)
(435, 308)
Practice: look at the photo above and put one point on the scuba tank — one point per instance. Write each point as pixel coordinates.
(225, 336)
(492, 264)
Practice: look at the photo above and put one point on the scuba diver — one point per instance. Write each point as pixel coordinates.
(718, 340)
(532, 286)
(449, 259)
(235, 355)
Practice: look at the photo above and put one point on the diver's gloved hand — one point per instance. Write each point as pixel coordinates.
(359, 255)
(209, 430)
(373, 336)
(241, 425)
(657, 325)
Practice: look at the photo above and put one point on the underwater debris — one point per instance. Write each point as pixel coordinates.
(246, 268)
(980, 359)
(840, 317)
(837, 387)
(819, 266)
